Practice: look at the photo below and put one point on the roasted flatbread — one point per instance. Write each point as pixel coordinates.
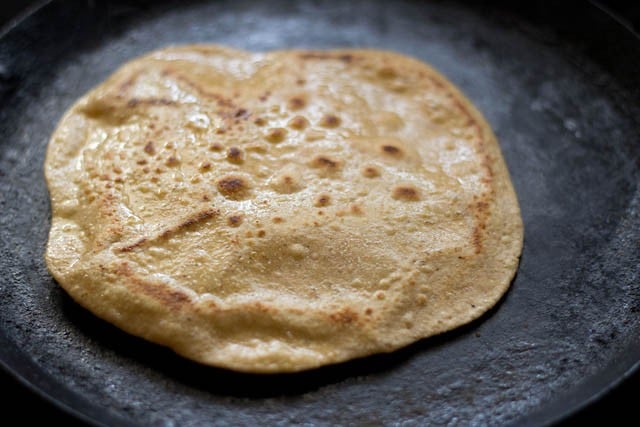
(275, 212)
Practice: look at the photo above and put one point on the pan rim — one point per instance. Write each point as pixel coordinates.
(546, 419)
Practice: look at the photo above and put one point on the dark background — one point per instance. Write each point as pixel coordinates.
(618, 406)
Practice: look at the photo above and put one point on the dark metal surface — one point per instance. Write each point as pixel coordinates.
(561, 89)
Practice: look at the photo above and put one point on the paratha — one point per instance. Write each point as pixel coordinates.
(279, 211)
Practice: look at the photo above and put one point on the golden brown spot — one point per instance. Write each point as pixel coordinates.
(322, 200)
(296, 102)
(172, 161)
(216, 147)
(344, 316)
(277, 220)
(324, 162)
(149, 148)
(159, 170)
(480, 212)
(146, 169)
(370, 171)
(232, 186)
(235, 155)
(298, 123)
(368, 312)
(205, 166)
(275, 135)
(406, 192)
(287, 181)
(260, 121)
(206, 198)
(329, 121)
(141, 162)
(387, 72)
(221, 131)
(300, 82)
(235, 220)
(356, 210)
(261, 233)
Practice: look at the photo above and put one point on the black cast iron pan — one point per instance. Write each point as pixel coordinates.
(559, 84)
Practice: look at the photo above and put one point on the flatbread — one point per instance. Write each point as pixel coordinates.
(275, 212)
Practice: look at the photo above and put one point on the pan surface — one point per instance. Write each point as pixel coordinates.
(560, 86)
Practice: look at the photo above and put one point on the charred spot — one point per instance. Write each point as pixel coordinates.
(322, 200)
(233, 187)
(391, 150)
(296, 102)
(195, 219)
(315, 55)
(149, 148)
(134, 102)
(241, 113)
(345, 57)
(235, 220)
(264, 96)
(235, 155)
(370, 171)
(132, 246)
(407, 193)
(298, 123)
(329, 121)
(275, 135)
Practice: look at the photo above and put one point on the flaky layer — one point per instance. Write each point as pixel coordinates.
(281, 211)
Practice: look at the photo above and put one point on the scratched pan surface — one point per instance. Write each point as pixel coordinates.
(558, 84)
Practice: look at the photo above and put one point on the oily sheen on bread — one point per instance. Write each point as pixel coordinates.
(275, 212)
